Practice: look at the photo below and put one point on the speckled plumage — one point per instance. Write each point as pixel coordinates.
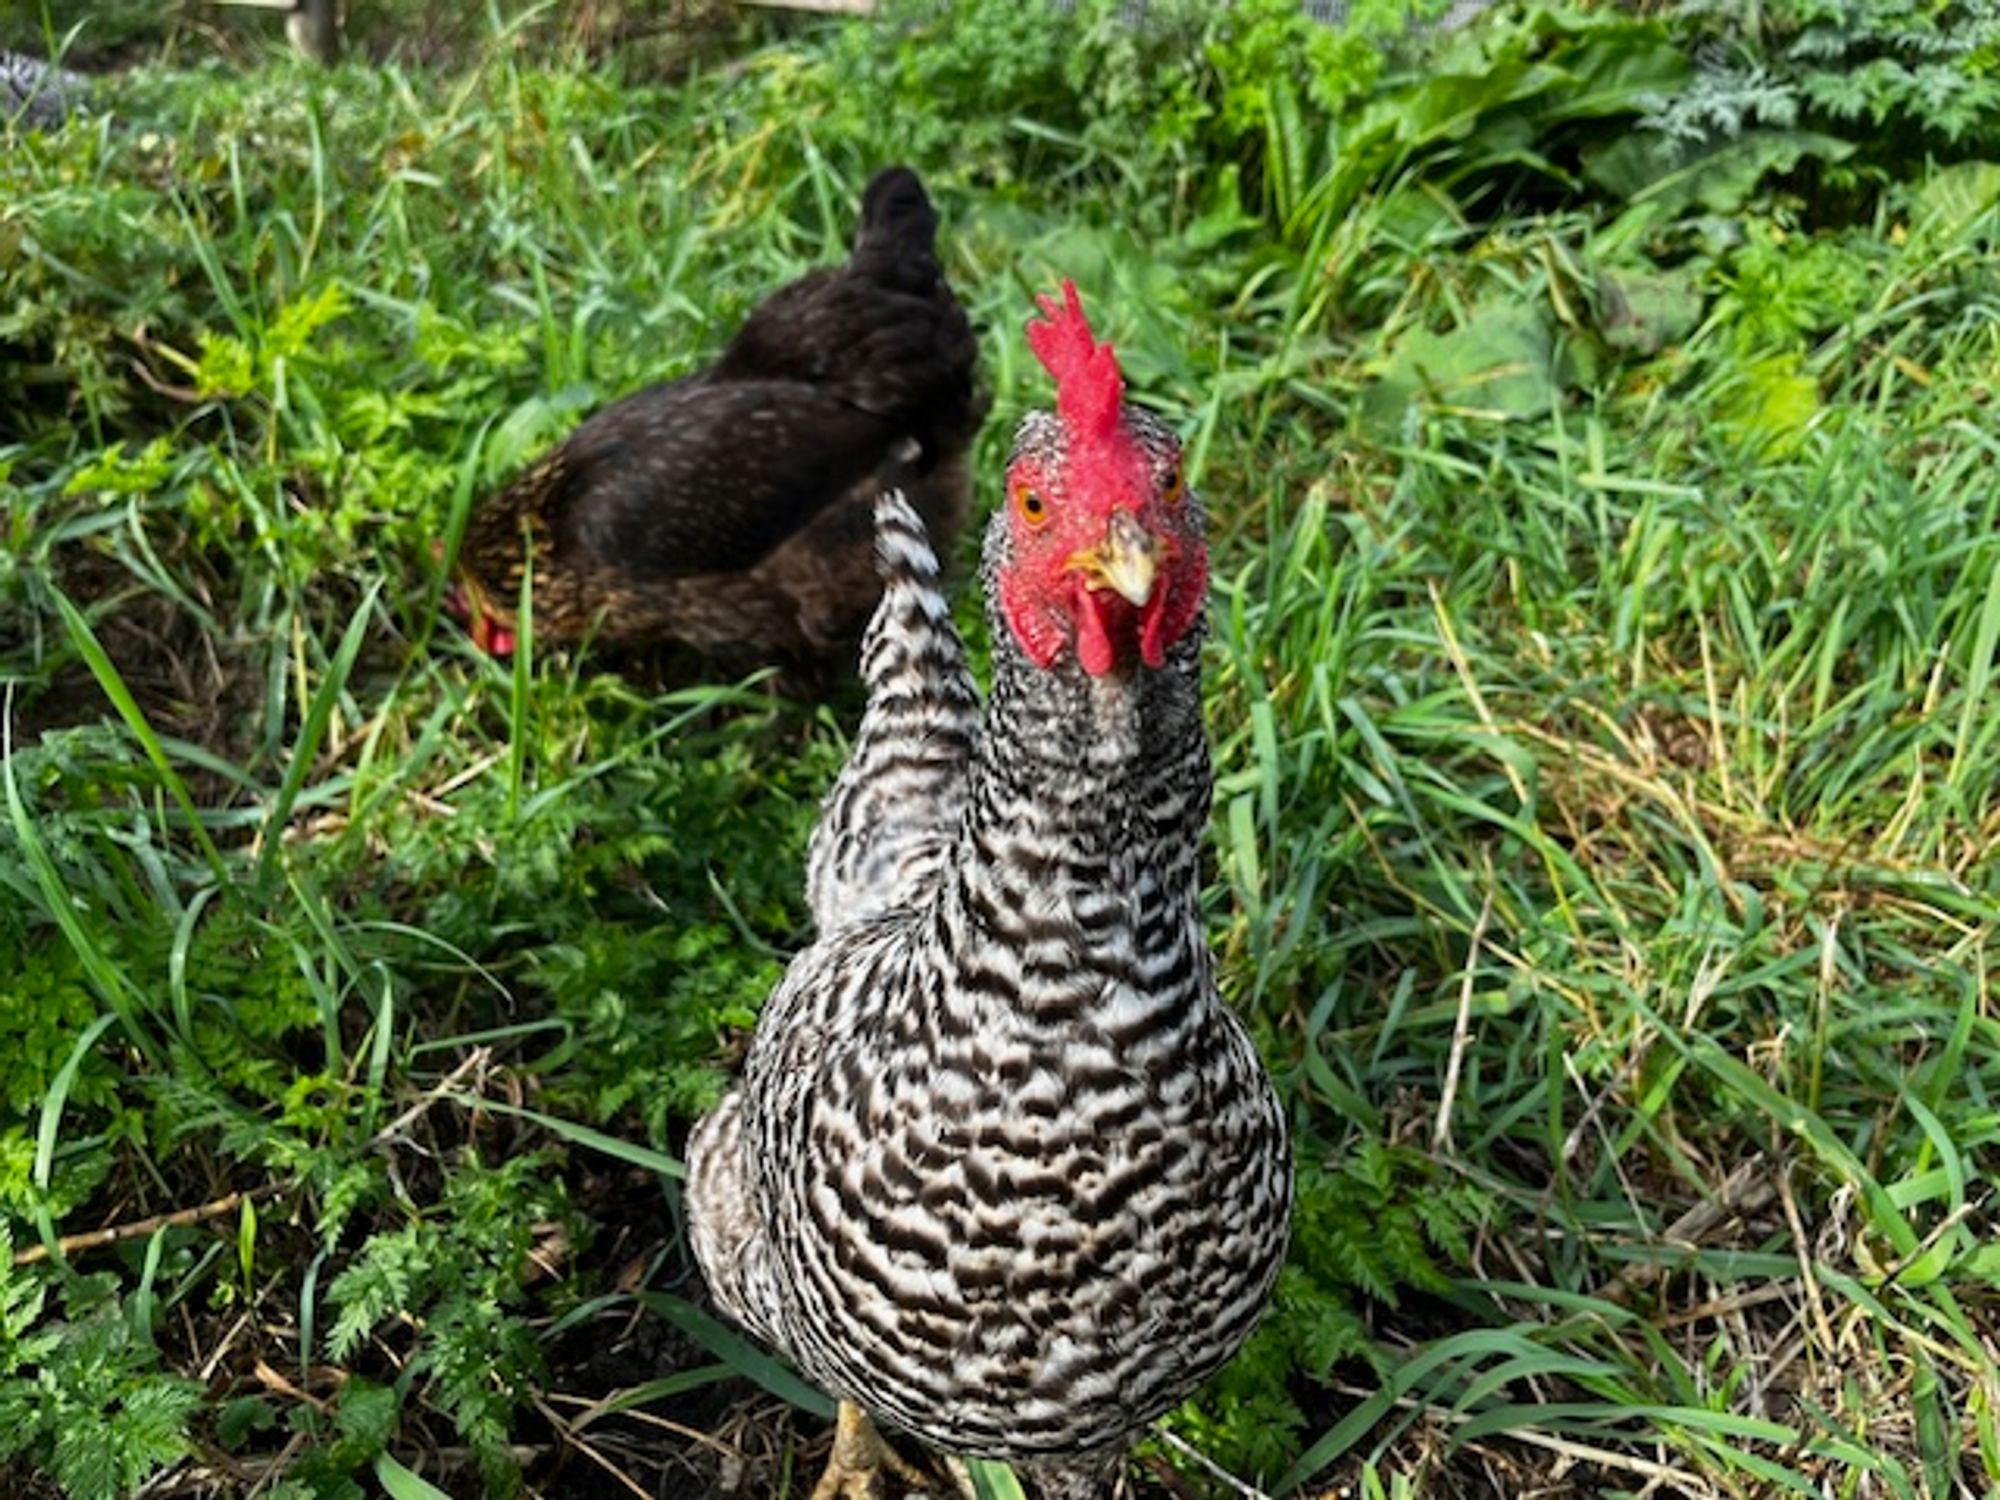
(1001, 1168)
(35, 93)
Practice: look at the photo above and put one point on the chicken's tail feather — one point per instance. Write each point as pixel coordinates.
(911, 654)
(887, 825)
(896, 243)
(903, 551)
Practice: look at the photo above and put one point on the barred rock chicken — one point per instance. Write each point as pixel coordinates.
(35, 93)
(1001, 1169)
(731, 511)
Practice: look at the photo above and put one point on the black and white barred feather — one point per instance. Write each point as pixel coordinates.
(1001, 1168)
(34, 92)
(895, 808)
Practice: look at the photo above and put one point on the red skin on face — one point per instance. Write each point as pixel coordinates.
(1103, 471)
(462, 604)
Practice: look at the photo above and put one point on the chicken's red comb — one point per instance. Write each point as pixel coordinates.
(1090, 390)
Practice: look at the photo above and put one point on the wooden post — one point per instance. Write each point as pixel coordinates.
(836, 7)
(314, 27)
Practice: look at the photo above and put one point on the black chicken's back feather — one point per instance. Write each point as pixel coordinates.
(798, 448)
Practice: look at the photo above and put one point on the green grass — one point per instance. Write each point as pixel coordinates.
(1602, 677)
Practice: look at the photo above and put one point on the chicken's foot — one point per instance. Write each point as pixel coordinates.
(854, 1469)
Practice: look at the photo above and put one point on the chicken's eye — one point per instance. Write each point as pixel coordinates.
(1176, 486)
(1029, 502)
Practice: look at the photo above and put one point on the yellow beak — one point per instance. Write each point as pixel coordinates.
(1127, 562)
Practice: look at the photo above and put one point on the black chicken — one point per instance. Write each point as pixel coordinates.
(732, 511)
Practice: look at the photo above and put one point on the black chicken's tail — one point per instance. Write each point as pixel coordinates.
(896, 243)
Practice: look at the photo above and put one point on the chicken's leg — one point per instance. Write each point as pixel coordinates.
(858, 1458)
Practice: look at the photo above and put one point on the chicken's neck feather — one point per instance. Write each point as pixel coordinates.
(1078, 856)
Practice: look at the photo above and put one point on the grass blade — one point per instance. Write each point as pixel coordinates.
(402, 1484)
(105, 976)
(993, 1480)
(108, 677)
(583, 1135)
(319, 714)
(742, 1356)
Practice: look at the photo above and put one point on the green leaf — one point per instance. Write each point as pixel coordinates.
(1954, 199)
(993, 1480)
(1500, 364)
(238, 1419)
(1642, 312)
(404, 1485)
(367, 1414)
(1719, 178)
(1776, 400)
